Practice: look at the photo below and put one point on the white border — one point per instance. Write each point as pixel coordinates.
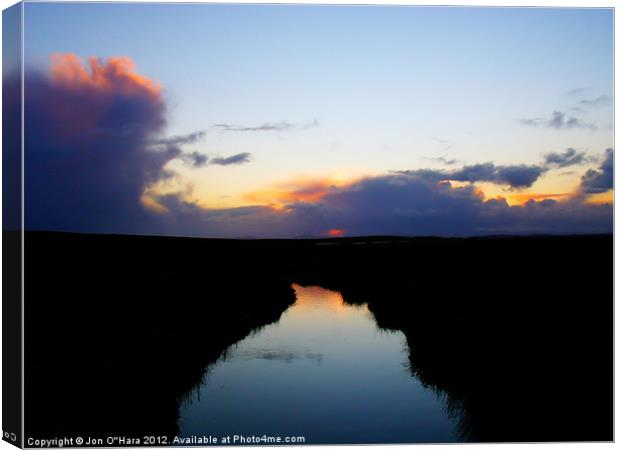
(480, 3)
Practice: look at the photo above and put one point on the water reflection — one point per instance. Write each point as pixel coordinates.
(324, 371)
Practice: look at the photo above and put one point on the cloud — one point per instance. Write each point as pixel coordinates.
(280, 126)
(519, 176)
(196, 159)
(516, 177)
(570, 157)
(602, 179)
(313, 124)
(95, 147)
(190, 138)
(445, 143)
(277, 126)
(559, 120)
(174, 144)
(601, 100)
(88, 154)
(578, 91)
(239, 158)
(410, 204)
(115, 75)
(445, 161)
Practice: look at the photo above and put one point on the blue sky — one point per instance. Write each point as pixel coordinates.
(367, 90)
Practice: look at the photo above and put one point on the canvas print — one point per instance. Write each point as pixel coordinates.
(301, 224)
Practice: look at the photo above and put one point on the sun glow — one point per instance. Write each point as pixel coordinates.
(336, 232)
(604, 198)
(279, 195)
(523, 198)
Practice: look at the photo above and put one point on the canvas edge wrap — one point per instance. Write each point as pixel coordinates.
(12, 225)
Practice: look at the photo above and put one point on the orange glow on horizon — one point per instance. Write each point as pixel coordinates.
(279, 196)
(523, 198)
(296, 191)
(605, 198)
(336, 232)
(313, 191)
(308, 194)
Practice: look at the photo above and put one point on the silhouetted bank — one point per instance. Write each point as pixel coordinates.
(516, 334)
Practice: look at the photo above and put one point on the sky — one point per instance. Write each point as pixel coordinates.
(305, 121)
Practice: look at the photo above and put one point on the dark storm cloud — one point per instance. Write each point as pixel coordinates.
(570, 157)
(602, 179)
(559, 120)
(239, 158)
(80, 178)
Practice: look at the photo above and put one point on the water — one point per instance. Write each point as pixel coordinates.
(325, 372)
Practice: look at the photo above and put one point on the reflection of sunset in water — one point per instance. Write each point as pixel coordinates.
(314, 297)
(317, 308)
(324, 371)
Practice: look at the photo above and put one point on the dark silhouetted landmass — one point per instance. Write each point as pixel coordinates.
(516, 333)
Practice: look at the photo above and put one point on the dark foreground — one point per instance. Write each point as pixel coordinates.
(516, 333)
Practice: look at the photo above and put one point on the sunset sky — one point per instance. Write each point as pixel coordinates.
(300, 121)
